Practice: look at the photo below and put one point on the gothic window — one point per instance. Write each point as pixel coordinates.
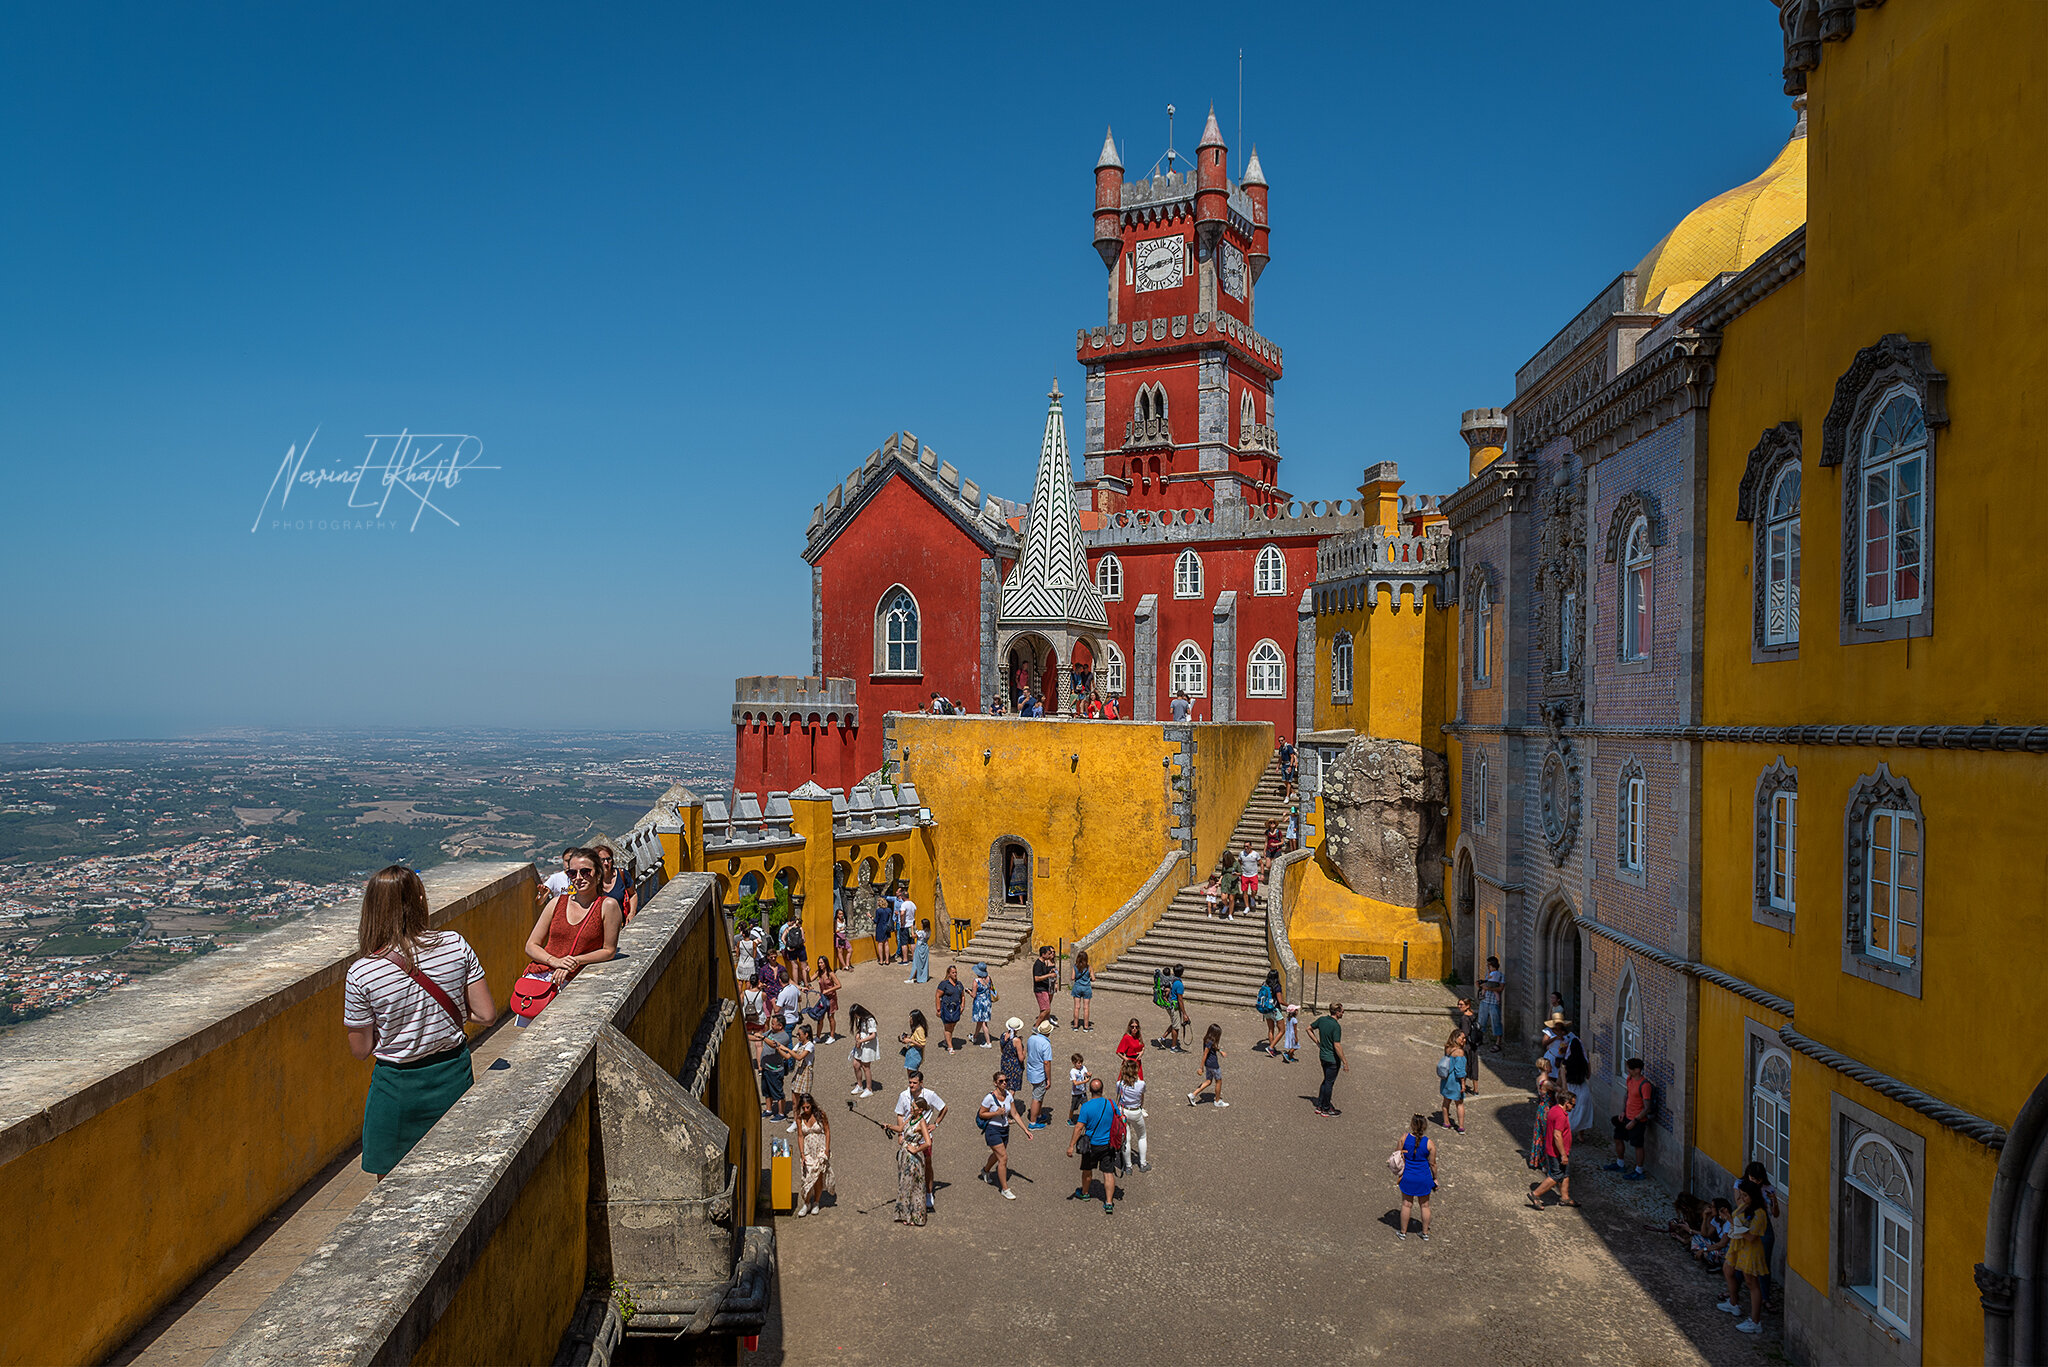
(1780, 568)
(1635, 593)
(1190, 671)
(1567, 632)
(1892, 491)
(1777, 845)
(1112, 670)
(1247, 415)
(1770, 1116)
(896, 633)
(1187, 575)
(1885, 880)
(1628, 1026)
(1879, 1230)
(1109, 577)
(1266, 676)
(1340, 667)
(1482, 793)
(1482, 638)
(1629, 838)
(1269, 574)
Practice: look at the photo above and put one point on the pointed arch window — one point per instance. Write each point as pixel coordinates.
(1190, 671)
(1635, 587)
(1340, 667)
(1777, 845)
(1269, 572)
(896, 633)
(1187, 575)
(1112, 670)
(1109, 577)
(1628, 1026)
(1247, 415)
(1482, 793)
(1781, 560)
(1266, 674)
(1482, 636)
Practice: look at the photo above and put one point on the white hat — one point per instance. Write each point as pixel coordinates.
(1045, 1026)
(1013, 1024)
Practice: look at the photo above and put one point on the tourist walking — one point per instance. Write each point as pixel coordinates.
(826, 985)
(842, 948)
(1213, 1055)
(793, 952)
(1131, 1048)
(1130, 1099)
(921, 957)
(1329, 1033)
(1248, 866)
(947, 1000)
(1012, 1057)
(1095, 1135)
(1037, 1073)
(1450, 1080)
(1418, 1174)
(1491, 988)
(998, 1109)
(914, 1095)
(983, 1004)
(1077, 1085)
(802, 1053)
(1044, 975)
(1272, 1004)
(754, 1015)
(1745, 1260)
(1289, 1044)
(1083, 992)
(1578, 1079)
(744, 954)
(404, 1003)
(1557, 1153)
(885, 927)
(1276, 841)
(775, 1061)
(814, 1142)
(913, 1041)
(913, 1151)
(867, 1049)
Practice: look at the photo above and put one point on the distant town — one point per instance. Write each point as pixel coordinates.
(123, 859)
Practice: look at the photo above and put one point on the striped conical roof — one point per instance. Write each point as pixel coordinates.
(1051, 586)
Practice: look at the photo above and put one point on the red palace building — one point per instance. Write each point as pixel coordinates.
(1197, 562)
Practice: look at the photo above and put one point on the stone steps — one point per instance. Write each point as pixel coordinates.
(998, 940)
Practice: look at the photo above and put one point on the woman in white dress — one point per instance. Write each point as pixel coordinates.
(866, 1049)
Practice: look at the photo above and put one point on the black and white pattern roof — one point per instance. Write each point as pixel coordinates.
(1051, 585)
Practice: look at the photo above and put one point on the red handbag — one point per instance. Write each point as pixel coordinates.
(536, 987)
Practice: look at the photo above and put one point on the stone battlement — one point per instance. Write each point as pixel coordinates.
(985, 516)
(1225, 522)
(1377, 551)
(795, 698)
(1179, 332)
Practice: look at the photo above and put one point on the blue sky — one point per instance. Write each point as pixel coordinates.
(678, 272)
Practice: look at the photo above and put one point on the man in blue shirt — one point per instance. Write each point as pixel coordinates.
(1093, 1129)
(1037, 1061)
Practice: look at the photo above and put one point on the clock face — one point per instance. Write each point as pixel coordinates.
(1233, 271)
(1159, 263)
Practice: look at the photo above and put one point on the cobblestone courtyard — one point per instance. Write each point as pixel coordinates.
(1262, 1234)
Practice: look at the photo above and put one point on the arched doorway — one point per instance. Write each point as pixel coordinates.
(1558, 961)
(1033, 664)
(1465, 922)
(1010, 878)
(2011, 1278)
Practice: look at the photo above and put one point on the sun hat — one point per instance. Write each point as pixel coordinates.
(981, 970)
(1013, 1024)
(1045, 1026)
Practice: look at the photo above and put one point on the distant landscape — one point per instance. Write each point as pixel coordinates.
(123, 858)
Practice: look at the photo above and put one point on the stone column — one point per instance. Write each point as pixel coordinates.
(1062, 662)
(1223, 659)
(1305, 663)
(817, 620)
(1145, 660)
(1213, 424)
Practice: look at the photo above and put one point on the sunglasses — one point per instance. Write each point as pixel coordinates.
(583, 873)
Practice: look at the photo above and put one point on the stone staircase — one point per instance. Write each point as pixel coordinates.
(996, 941)
(1225, 961)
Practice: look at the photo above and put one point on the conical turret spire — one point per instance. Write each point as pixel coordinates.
(1212, 136)
(1254, 174)
(1109, 156)
(1050, 586)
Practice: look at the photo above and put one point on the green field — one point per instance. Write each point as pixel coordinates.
(80, 945)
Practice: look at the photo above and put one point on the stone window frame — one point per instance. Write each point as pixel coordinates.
(1628, 1017)
(1252, 664)
(1149, 403)
(1485, 609)
(999, 903)
(1247, 413)
(1895, 363)
(1201, 661)
(1850, 1127)
(1875, 792)
(1113, 673)
(1109, 577)
(1482, 792)
(885, 609)
(1778, 451)
(1631, 831)
(1636, 506)
(1779, 778)
(1764, 1046)
(1342, 665)
(1187, 584)
(1269, 572)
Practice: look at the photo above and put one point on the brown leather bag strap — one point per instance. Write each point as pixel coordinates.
(433, 988)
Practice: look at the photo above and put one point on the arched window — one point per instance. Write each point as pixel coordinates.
(1770, 1129)
(1247, 414)
(1892, 494)
(1482, 793)
(1629, 833)
(1269, 573)
(1781, 561)
(1266, 677)
(1883, 881)
(1340, 668)
(1777, 845)
(1628, 1026)
(896, 633)
(1893, 919)
(1635, 583)
(1190, 671)
(1482, 643)
(1187, 575)
(1879, 1231)
(1112, 670)
(1109, 577)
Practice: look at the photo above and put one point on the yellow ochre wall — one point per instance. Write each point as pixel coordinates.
(812, 864)
(1325, 919)
(216, 1145)
(1397, 662)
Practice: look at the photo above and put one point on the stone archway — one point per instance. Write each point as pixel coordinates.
(1465, 954)
(1559, 961)
(2012, 1281)
(1029, 661)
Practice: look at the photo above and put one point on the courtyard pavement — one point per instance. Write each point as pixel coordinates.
(1263, 1233)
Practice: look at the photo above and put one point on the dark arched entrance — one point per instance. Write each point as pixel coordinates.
(1558, 961)
(2009, 1280)
(1465, 921)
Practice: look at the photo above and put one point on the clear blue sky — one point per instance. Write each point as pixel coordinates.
(680, 271)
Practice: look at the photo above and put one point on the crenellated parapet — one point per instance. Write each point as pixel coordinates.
(1353, 569)
(983, 516)
(1224, 522)
(1181, 332)
(794, 698)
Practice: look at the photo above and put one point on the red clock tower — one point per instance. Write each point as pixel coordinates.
(1180, 385)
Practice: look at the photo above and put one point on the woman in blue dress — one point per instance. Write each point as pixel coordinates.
(1451, 1071)
(982, 1004)
(1418, 1173)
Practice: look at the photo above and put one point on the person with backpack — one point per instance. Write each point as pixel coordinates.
(1578, 1078)
(792, 941)
(998, 1111)
(1631, 1127)
(754, 1015)
(1272, 1005)
(1415, 1164)
(1162, 997)
(1450, 1079)
(1099, 1127)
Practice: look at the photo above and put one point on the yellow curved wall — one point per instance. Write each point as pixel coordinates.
(1325, 919)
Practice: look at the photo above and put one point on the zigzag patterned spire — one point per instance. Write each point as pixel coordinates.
(1050, 586)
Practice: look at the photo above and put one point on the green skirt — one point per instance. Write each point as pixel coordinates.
(405, 1101)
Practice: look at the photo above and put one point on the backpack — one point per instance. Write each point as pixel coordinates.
(1443, 1069)
(1265, 997)
(1162, 996)
(1577, 1067)
(1653, 1101)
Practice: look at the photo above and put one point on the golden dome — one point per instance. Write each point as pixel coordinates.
(1728, 232)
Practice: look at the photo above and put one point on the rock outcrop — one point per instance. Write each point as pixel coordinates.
(1383, 821)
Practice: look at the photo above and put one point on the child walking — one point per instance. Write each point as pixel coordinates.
(1078, 1076)
(1212, 1067)
(1287, 1040)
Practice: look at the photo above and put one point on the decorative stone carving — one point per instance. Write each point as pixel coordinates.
(1779, 778)
(1894, 358)
(1873, 792)
(1383, 802)
(1561, 578)
(1632, 505)
(1543, 419)
(1559, 796)
(1632, 769)
(1774, 448)
(1809, 23)
(1995, 1290)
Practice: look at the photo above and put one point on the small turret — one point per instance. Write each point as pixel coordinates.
(1255, 187)
(1109, 202)
(1212, 183)
(1485, 431)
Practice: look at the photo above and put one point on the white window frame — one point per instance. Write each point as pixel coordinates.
(1267, 677)
(1908, 455)
(1189, 671)
(1341, 667)
(1893, 1233)
(1628, 1025)
(1632, 814)
(1567, 613)
(1109, 578)
(1770, 1119)
(1483, 782)
(1269, 573)
(1112, 670)
(1187, 575)
(1781, 567)
(1482, 646)
(899, 655)
(1637, 587)
(1783, 874)
(1884, 872)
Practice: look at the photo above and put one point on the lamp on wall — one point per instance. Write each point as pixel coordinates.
(985, 755)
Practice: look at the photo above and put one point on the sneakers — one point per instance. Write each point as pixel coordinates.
(1009, 1195)
(1109, 1207)
(1636, 1176)
(855, 1092)
(1616, 1166)
(1191, 1098)
(986, 1045)
(792, 1127)
(1749, 1327)
(1221, 1104)
(802, 1211)
(1144, 1167)
(929, 1203)
(1324, 1112)
(1402, 1235)
(1425, 1236)
(1038, 1125)
(1728, 1308)
(1080, 1194)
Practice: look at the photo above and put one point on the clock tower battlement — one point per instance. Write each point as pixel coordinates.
(1180, 383)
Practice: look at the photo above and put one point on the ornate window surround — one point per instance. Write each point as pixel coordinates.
(1560, 795)
(1879, 791)
(1637, 505)
(1763, 1046)
(1485, 610)
(1628, 1020)
(885, 609)
(1632, 814)
(1342, 665)
(1850, 1127)
(1482, 792)
(1893, 362)
(1777, 448)
(1780, 777)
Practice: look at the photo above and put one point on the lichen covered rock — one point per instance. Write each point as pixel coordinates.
(1383, 820)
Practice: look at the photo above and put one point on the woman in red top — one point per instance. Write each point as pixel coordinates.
(1132, 1045)
(563, 937)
